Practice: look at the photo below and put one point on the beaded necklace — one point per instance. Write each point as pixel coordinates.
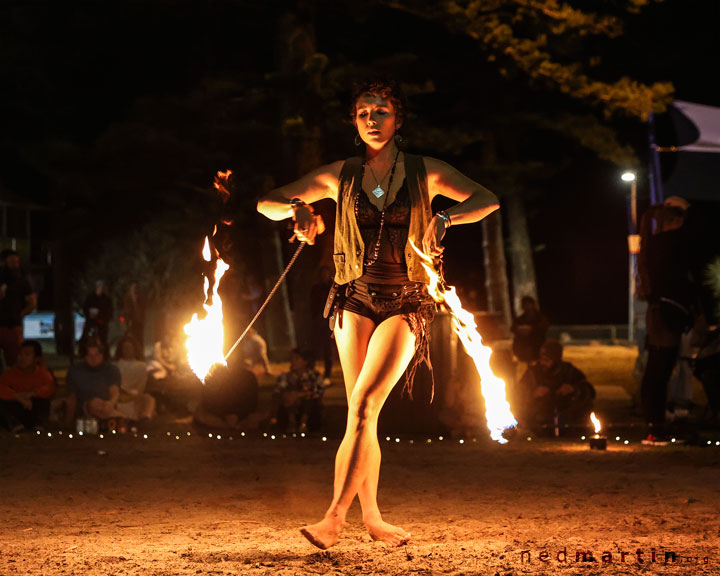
(370, 260)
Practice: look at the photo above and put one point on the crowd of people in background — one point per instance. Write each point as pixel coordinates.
(116, 391)
(678, 343)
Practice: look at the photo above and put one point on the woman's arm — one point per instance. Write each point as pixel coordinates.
(475, 202)
(316, 185)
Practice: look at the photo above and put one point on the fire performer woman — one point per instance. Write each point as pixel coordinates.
(381, 307)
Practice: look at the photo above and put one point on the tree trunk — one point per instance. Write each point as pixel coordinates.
(496, 282)
(301, 148)
(520, 250)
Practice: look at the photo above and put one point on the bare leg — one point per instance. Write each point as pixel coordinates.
(352, 348)
(387, 354)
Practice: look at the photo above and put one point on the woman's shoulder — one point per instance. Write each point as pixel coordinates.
(333, 168)
(435, 166)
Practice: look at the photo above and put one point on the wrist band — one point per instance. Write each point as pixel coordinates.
(445, 217)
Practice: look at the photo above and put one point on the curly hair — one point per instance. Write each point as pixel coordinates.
(385, 88)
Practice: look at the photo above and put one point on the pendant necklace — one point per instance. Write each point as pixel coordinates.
(378, 190)
(373, 256)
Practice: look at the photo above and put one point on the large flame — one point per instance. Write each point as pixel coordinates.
(206, 337)
(595, 422)
(497, 409)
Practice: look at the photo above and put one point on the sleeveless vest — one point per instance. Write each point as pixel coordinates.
(349, 251)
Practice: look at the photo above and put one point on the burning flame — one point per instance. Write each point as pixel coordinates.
(221, 183)
(595, 422)
(205, 338)
(497, 410)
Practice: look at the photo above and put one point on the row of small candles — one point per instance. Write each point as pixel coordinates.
(596, 441)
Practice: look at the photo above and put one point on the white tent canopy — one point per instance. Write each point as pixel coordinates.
(693, 167)
(707, 121)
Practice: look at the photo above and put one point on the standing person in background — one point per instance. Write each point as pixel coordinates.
(664, 269)
(17, 300)
(134, 307)
(529, 329)
(98, 310)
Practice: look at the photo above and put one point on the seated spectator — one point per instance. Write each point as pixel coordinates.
(298, 395)
(134, 402)
(228, 397)
(254, 351)
(555, 387)
(529, 329)
(93, 386)
(26, 389)
(171, 381)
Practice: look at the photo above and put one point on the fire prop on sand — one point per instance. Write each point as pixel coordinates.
(597, 442)
(497, 409)
(206, 337)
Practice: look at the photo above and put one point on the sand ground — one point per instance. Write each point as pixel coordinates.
(189, 504)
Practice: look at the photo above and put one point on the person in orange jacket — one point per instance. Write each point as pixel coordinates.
(26, 389)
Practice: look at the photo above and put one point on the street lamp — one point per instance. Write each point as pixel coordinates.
(632, 178)
(633, 249)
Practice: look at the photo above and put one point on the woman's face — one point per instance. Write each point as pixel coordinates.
(376, 120)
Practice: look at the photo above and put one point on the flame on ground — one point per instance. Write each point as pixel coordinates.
(206, 337)
(596, 422)
(497, 409)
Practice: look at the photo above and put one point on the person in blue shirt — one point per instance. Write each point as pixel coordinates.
(93, 386)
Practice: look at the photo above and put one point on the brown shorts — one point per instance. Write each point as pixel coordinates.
(382, 301)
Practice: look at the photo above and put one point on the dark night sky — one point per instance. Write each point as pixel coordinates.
(98, 62)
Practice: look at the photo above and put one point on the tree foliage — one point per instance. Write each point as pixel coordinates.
(547, 42)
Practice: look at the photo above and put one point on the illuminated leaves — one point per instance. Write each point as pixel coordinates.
(543, 40)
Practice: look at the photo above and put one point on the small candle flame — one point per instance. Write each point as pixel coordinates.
(595, 422)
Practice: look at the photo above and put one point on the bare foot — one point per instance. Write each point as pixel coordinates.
(393, 536)
(324, 534)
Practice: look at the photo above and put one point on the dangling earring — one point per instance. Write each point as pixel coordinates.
(398, 137)
(358, 140)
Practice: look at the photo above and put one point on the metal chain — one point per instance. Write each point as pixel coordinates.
(267, 300)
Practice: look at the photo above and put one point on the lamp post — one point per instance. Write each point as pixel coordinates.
(633, 249)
